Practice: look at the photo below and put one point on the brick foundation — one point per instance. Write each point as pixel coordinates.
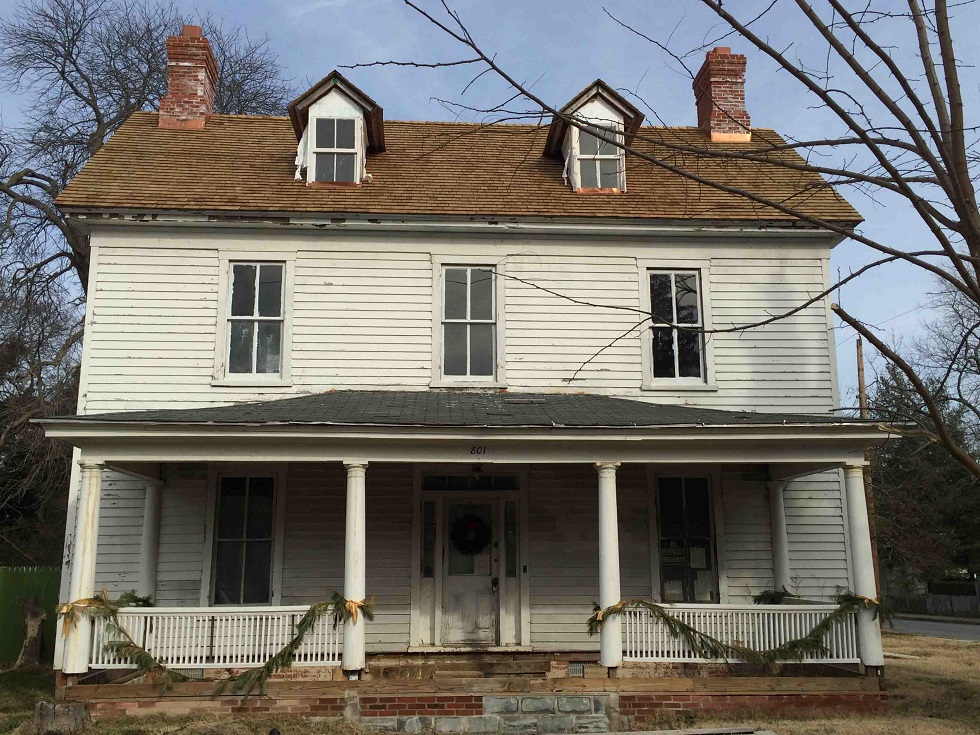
(579, 712)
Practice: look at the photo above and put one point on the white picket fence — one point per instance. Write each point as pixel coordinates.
(761, 627)
(210, 637)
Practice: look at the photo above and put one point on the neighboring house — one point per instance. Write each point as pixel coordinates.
(414, 362)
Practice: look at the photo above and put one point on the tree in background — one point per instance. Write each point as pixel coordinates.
(82, 67)
(927, 504)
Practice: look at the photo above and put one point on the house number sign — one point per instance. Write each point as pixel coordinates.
(480, 450)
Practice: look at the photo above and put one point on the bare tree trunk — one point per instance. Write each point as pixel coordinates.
(34, 617)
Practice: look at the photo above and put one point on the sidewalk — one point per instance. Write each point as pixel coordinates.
(934, 618)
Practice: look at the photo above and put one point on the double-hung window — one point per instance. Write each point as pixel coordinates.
(600, 163)
(255, 318)
(244, 540)
(469, 325)
(677, 325)
(335, 150)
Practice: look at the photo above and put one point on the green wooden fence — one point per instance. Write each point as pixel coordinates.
(16, 585)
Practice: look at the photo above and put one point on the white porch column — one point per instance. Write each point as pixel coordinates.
(354, 564)
(869, 631)
(78, 643)
(610, 635)
(150, 540)
(780, 538)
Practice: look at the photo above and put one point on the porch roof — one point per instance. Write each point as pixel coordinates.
(429, 408)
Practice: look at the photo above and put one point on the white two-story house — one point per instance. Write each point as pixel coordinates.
(486, 376)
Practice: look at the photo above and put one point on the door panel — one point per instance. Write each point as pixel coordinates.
(469, 589)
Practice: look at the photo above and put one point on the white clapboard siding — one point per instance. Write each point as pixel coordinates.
(748, 541)
(362, 316)
(183, 514)
(816, 529)
(120, 530)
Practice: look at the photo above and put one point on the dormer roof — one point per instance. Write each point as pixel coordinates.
(299, 108)
(632, 117)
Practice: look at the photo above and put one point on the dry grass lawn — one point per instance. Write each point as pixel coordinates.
(937, 694)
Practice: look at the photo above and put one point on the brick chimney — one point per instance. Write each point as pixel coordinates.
(719, 90)
(193, 74)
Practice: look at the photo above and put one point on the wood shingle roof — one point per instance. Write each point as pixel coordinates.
(245, 164)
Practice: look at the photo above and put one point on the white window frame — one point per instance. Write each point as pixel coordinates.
(706, 382)
(619, 157)
(439, 379)
(357, 150)
(221, 376)
(279, 473)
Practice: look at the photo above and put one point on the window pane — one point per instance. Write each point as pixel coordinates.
(428, 538)
(243, 290)
(660, 298)
(455, 307)
(687, 298)
(324, 168)
(481, 349)
(434, 482)
(345, 167)
(325, 128)
(240, 351)
(588, 144)
(228, 573)
(606, 148)
(689, 354)
(269, 347)
(231, 507)
(481, 293)
(270, 290)
(697, 508)
(663, 353)
(260, 507)
(345, 134)
(609, 173)
(510, 538)
(671, 507)
(454, 349)
(588, 174)
(258, 565)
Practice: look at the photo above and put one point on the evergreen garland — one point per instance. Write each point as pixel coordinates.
(773, 597)
(124, 646)
(342, 610)
(705, 646)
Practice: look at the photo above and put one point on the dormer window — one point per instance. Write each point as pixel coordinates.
(336, 127)
(335, 150)
(595, 160)
(600, 163)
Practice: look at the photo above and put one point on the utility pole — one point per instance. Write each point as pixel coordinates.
(868, 490)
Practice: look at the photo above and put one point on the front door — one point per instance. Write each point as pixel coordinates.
(470, 581)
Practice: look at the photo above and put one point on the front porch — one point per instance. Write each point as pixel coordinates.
(486, 540)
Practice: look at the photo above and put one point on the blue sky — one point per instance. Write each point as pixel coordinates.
(560, 47)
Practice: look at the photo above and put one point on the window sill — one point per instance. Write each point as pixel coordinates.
(679, 387)
(250, 383)
(443, 383)
(605, 190)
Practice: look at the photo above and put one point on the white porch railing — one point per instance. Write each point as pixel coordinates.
(761, 627)
(214, 637)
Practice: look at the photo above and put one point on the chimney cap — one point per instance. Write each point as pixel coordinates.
(191, 32)
(715, 50)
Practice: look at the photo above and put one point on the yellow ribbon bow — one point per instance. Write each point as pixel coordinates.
(352, 606)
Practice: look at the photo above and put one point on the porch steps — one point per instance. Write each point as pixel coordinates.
(452, 667)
